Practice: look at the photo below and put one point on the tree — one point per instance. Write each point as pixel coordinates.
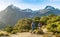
(23, 24)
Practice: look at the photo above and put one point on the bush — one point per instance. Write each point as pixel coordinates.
(37, 31)
(8, 28)
(14, 32)
(23, 25)
(2, 34)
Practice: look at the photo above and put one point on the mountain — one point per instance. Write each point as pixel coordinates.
(48, 10)
(27, 10)
(12, 14)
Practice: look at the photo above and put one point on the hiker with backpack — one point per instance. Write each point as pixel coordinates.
(32, 26)
(39, 25)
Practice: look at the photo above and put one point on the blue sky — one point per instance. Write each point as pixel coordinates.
(32, 4)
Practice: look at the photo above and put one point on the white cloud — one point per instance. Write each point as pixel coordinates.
(4, 4)
(24, 6)
(54, 0)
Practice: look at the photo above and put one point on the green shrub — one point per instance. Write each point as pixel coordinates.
(14, 32)
(8, 28)
(23, 25)
(37, 31)
(2, 34)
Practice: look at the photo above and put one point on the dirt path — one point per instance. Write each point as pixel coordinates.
(25, 34)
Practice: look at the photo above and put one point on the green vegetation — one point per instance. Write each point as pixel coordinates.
(8, 28)
(38, 31)
(23, 25)
(50, 22)
(2, 34)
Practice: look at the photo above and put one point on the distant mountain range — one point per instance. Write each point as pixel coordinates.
(12, 14)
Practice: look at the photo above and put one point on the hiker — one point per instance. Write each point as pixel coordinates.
(39, 25)
(33, 26)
